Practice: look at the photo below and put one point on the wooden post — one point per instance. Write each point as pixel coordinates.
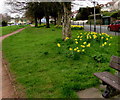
(90, 26)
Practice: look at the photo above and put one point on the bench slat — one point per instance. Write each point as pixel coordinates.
(110, 79)
(110, 76)
(115, 62)
(115, 65)
(115, 59)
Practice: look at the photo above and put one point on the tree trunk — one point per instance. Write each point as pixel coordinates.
(55, 21)
(36, 22)
(40, 21)
(47, 22)
(66, 21)
(59, 18)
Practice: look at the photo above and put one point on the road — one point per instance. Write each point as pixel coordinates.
(103, 29)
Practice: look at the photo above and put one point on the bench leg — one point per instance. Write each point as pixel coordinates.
(106, 93)
(110, 91)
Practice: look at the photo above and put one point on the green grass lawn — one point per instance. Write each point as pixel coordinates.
(9, 29)
(43, 72)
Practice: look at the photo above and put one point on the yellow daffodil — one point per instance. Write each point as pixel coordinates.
(76, 39)
(102, 37)
(94, 36)
(102, 45)
(80, 39)
(76, 26)
(110, 37)
(75, 49)
(109, 44)
(81, 36)
(67, 38)
(88, 45)
(58, 45)
(83, 50)
(78, 50)
(87, 37)
(70, 49)
(82, 46)
(76, 42)
(90, 37)
(84, 42)
(103, 33)
(106, 38)
(78, 36)
(105, 43)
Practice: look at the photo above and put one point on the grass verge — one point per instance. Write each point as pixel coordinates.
(43, 72)
(9, 29)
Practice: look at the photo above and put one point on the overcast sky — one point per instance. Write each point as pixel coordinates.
(79, 3)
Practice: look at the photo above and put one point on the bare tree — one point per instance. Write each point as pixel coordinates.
(66, 31)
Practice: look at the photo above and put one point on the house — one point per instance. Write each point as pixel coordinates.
(116, 4)
(111, 6)
(18, 21)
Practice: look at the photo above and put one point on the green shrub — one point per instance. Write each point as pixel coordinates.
(4, 23)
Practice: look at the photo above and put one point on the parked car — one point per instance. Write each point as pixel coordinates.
(115, 26)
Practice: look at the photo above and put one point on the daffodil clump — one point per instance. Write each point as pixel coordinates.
(83, 42)
(58, 26)
(76, 27)
(42, 25)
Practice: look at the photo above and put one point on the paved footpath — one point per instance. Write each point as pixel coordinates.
(8, 89)
(5, 36)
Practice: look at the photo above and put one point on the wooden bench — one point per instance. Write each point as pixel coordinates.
(112, 81)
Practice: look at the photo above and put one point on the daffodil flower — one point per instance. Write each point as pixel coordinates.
(82, 46)
(76, 39)
(76, 42)
(106, 38)
(83, 50)
(84, 42)
(105, 43)
(70, 49)
(67, 38)
(75, 49)
(58, 45)
(109, 44)
(80, 39)
(110, 37)
(88, 45)
(102, 45)
(78, 50)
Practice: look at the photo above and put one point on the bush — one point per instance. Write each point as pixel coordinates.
(118, 18)
(4, 23)
(74, 19)
(98, 16)
(115, 14)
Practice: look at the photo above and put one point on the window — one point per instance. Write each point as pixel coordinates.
(117, 22)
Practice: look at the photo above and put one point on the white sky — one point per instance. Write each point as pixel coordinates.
(80, 3)
(2, 6)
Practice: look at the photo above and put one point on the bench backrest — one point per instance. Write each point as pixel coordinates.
(115, 62)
